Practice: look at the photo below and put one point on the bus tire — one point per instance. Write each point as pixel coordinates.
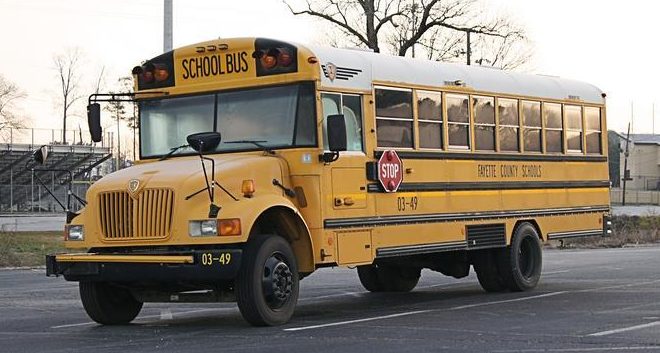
(268, 282)
(108, 304)
(521, 262)
(388, 278)
(368, 275)
(399, 278)
(485, 265)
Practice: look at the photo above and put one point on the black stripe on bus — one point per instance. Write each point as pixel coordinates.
(577, 234)
(504, 185)
(421, 249)
(495, 156)
(446, 217)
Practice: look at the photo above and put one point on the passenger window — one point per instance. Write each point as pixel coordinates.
(458, 121)
(553, 128)
(531, 126)
(573, 128)
(484, 123)
(429, 111)
(594, 130)
(351, 107)
(509, 125)
(394, 118)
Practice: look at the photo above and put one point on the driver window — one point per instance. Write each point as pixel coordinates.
(351, 107)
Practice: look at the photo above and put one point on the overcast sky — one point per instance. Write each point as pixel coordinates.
(610, 44)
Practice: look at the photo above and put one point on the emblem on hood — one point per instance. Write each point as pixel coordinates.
(133, 186)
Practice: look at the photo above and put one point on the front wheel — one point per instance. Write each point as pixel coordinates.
(267, 283)
(108, 304)
(520, 263)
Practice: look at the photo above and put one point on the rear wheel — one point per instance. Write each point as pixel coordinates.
(520, 263)
(267, 283)
(108, 304)
(485, 265)
(388, 278)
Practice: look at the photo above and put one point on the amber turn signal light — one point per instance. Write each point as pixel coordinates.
(247, 188)
(230, 226)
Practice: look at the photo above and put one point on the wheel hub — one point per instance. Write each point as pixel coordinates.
(277, 282)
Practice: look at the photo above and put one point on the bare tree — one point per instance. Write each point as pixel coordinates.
(67, 66)
(122, 110)
(441, 29)
(9, 94)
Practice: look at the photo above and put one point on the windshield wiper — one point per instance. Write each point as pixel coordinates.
(257, 143)
(172, 151)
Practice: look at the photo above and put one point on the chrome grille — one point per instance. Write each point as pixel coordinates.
(148, 216)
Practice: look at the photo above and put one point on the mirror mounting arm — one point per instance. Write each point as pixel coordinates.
(329, 157)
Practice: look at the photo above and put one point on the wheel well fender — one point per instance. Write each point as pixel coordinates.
(287, 223)
(533, 223)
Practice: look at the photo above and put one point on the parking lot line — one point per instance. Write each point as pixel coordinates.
(551, 294)
(339, 323)
(625, 329)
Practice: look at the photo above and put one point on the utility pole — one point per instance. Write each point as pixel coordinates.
(653, 116)
(626, 172)
(167, 25)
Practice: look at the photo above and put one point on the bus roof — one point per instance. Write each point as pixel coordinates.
(357, 69)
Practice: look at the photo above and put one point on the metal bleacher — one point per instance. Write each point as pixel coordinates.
(19, 189)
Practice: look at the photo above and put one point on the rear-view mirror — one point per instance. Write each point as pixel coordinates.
(94, 121)
(204, 141)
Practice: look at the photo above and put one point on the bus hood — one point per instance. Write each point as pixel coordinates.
(184, 175)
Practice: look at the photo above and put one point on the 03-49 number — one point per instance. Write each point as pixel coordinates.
(406, 204)
(222, 259)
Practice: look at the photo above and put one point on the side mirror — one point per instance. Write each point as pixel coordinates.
(40, 155)
(94, 121)
(204, 141)
(336, 128)
(337, 133)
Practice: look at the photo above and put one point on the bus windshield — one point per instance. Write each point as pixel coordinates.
(273, 117)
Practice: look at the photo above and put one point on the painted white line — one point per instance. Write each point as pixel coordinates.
(348, 322)
(552, 294)
(74, 325)
(163, 316)
(166, 314)
(340, 323)
(625, 329)
(617, 286)
(555, 272)
(345, 294)
(590, 349)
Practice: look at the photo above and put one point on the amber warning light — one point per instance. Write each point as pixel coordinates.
(155, 73)
(274, 57)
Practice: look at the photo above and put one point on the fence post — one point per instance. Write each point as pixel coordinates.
(32, 192)
(11, 189)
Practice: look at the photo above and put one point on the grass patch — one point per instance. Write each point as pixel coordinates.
(28, 248)
(627, 230)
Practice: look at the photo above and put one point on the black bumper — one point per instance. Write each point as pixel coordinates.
(207, 267)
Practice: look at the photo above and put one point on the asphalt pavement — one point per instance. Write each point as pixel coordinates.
(588, 301)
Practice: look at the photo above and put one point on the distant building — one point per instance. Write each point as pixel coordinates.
(643, 161)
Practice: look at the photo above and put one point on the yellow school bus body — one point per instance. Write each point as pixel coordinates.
(340, 215)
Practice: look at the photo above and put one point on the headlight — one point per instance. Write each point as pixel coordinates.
(203, 228)
(74, 232)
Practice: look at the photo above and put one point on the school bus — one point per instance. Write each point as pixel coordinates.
(262, 161)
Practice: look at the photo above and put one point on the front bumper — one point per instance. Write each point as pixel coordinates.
(205, 266)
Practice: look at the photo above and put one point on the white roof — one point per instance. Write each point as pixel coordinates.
(358, 69)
